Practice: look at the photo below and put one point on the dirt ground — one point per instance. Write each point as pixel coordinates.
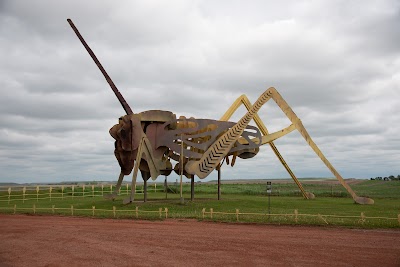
(70, 241)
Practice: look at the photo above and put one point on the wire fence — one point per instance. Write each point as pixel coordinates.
(25, 193)
(301, 218)
(72, 211)
(237, 216)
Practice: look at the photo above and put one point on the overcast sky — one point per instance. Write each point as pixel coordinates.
(337, 63)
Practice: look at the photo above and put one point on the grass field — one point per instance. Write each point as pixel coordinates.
(331, 199)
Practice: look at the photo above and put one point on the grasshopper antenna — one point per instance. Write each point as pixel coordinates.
(121, 99)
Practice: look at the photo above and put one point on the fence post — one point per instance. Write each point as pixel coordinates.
(110, 188)
(114, 210)
(203, 211)
(362, 218)
(166, 214)
(83, 190)
(237, 215)
(50, 189)
(62, 192)
(102, 190)
(37, 193)
(23, 194)
(296, 213)
(52, 208)
(73, 191)
(93, 208)
(322, 218)
(155, 187)
(72, 210)
(211, 212)
(137, 212)
(160, 211)
(127, 189)
(9, 194)
(34, 209)
(92, 190)
(15, 208)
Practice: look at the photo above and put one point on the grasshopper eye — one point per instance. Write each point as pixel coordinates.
(123, 133)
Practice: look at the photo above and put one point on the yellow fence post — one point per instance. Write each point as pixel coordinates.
(92, 190)
(362, 218)
(211, 212)
(62, 192)
(237, 215)
(52, 208)
(322, 218)
(37, 193)
(102, 190)
(155, 187)
(73, 191)
(160, 211)
(23, 194)
(114, 210)
(83, 190)
(93, 208)
(127, 189)
(166, 214)
(15, 208)
(110, 188)
(203, 212)
(72, 210)
(9, 194)
(50, 189)
(296, 213)
(137, 212)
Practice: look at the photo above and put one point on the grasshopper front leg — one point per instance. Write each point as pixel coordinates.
(114, 194)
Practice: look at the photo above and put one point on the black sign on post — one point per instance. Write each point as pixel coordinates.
(269, 188)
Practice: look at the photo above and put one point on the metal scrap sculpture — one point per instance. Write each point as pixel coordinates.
(149, 140)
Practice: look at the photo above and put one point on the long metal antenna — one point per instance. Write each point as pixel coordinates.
(121, 99)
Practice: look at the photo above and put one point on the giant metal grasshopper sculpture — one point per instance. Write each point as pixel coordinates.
(149, 140)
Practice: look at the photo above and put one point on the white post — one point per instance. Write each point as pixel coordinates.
(9, 195)
(23, 194)
(37, 193)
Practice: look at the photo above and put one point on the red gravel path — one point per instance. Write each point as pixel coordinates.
(68, 241)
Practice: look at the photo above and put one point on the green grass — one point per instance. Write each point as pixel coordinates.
(248, 198)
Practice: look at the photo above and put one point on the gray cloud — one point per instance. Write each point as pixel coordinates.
(337, 64)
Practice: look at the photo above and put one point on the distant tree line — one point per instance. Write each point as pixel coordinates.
(388, 178)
